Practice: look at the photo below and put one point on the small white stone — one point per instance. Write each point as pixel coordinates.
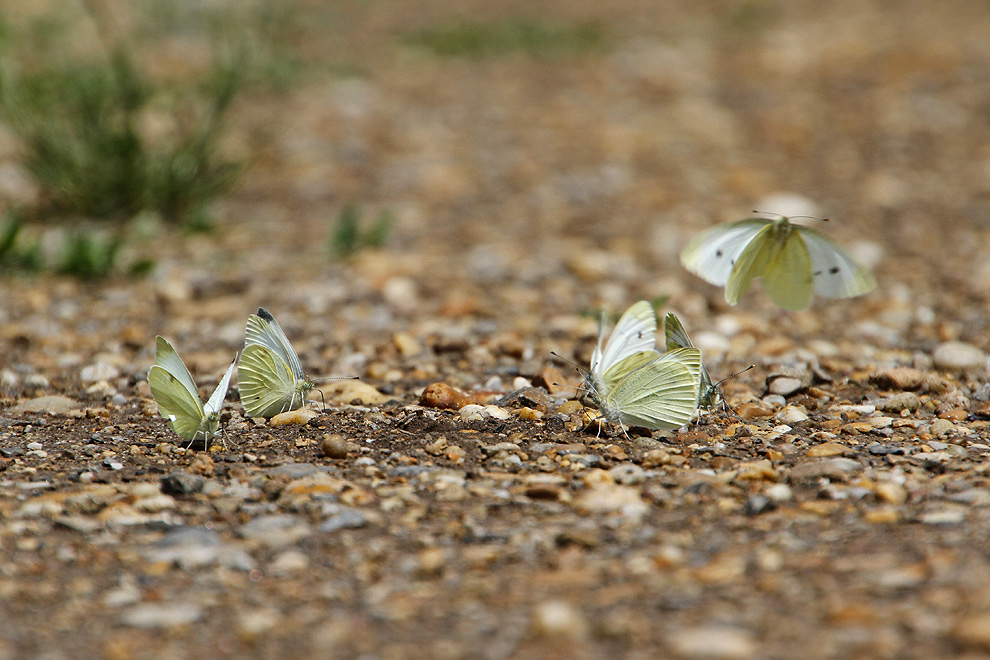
(779, 492)
(496, 412)
(792, 415)
(101, 371)
(559, 619)
(520, 383)
(714, 643)
(785, 385)
(472, 412)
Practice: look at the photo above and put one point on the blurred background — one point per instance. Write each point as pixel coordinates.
(394, 163)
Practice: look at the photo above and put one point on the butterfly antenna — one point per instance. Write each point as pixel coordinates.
(791, 217)
(721, 397)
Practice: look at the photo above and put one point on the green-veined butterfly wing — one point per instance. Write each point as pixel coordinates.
(662, 394)
(677, 337)
(265, 382)
(182, 408)
(264, 330)
(635, 332)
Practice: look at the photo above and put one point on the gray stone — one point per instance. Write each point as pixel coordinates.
(180, 483)
(958, 356)
(52, 405)
(830, 468)
(345, 518)
(275, 531)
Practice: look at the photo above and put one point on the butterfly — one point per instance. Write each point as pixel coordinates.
(677, 337)
(178, 398)
(792, 259)
(630, 382)
(269, 375)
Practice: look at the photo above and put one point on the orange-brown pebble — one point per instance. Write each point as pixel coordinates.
(442, 395)
(752, 410)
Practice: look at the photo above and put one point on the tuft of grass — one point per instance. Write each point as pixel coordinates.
(17, 254)
(348, 236)
(531, 37)
(88, 256)
(83, 121)
(80, 128)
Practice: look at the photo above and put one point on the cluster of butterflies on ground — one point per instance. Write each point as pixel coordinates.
(630, 382)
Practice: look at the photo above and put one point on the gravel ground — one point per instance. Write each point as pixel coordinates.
(844, 513)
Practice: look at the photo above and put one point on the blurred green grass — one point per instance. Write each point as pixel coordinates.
(529, 36)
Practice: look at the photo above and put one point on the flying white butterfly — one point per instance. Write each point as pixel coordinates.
(793, 261)
(269, 375)
(630, 382)
(178, 399)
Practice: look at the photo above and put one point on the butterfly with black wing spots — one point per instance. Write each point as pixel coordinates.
(792, 259)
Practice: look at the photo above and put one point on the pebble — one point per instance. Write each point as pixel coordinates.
(941, 427)
(973, 631)
(713, 643)
(299, 416)
(53, 405)
(947, 516)
(898, 378)
(831, 468)
(154, 504)
(958, 356)
(296, 470)
(792, 415)
(274, 531)
(406, 344)
(162, 615)
(828, 449)
(628, 474)
(180, 483)
(895, 403)
(443, 396)
(559, 620)
(779, 492)
(892, 493)
(351, 390)
(334, 446)
(256, 622)
(608, 498)
(345, 518)
(785, 385)
(101, 371)
(757, 504)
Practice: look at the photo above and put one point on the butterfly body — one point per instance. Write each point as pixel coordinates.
(792, 259)
(178, 398)
(270, 376)
(631, 383)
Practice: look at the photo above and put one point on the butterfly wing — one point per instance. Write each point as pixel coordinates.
(215, 403)
(712, 255)
(677, 337)
(835, 273)
(751, 263)
(264, 330)
(265, 381)
(635, 333)
(168, 359)
(176, 402)
(659, 395)
(787, 276)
